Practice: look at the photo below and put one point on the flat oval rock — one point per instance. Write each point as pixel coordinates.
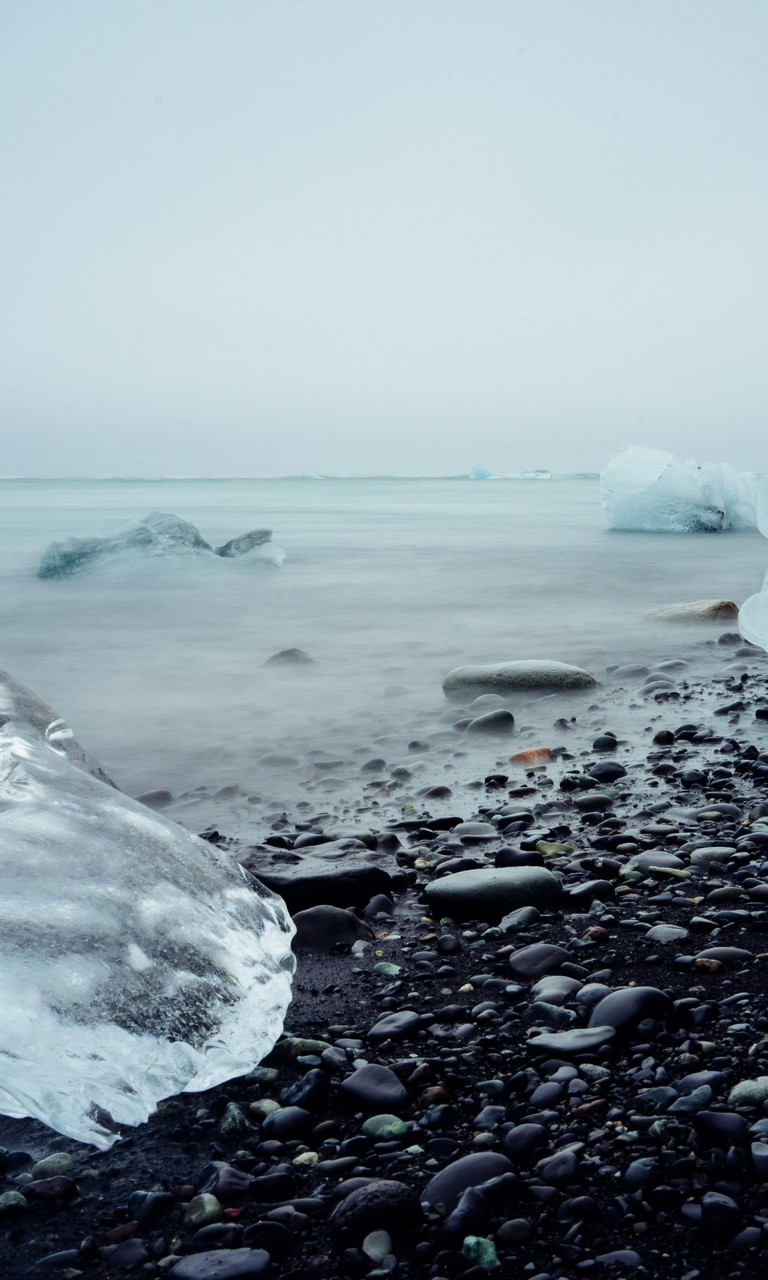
(475, 831)
(490, 893)
(514, 677)
(628, 1006)
(395, 1026)
(726, 955)
(222, 1264)
(571, 1043)
(538, 959)
(449, 1184)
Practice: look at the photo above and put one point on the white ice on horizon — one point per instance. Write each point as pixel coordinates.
(136, 960)
(651, 491)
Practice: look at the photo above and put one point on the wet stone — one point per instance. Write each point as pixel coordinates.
(227, 1264)
(447, 1187)
(375, 1088)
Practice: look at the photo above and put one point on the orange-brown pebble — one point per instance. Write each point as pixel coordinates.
(534, 755)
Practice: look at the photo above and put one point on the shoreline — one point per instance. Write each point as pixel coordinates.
(633, 1160)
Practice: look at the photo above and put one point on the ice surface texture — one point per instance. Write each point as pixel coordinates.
(753, 614)
(136, 961)
(651, 491)
(158, 534)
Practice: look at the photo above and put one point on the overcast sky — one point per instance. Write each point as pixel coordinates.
(404, 236)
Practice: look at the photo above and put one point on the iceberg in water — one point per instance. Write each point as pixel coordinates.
(651, 491)
(753, 614)
(136, 960)
(158, 534)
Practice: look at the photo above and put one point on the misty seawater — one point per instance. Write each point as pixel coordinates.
(388, 583)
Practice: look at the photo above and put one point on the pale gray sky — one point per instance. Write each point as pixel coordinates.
(404, 236)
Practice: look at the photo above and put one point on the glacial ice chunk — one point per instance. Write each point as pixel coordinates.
(753, 614)
(158, 534)
(136, 960)
(652, 491)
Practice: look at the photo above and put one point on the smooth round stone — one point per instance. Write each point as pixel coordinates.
(570, 1044)
(470, 831)
(666, 933)
(521, 1142)
(323, 927)
(493, 724)
(720, 1215)
(715, 1080)
(382, 1205)
(555, 988)
(759, 1152)
(749, 1093)
(538, 959)
(11, 1203)
(374, 1088)
(730, 956)
(628, 1006)
(395, 1026)
(384, 1127)
(377, 1246)
(287, 1123)
(713, 853)
(514, 1231)
(53, 1166)
(515, 677)
(202, 1210)
(490, 893)
(225, 1264)
(607, 771)
(559, 1169)
(722, 1129)
(692, 1102)
(449, 1184)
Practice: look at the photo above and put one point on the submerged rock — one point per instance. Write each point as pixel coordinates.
(489, 893)
(136, 960)
(697, 611)
(524, 676)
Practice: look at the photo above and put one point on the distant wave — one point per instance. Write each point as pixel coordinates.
(515, 476)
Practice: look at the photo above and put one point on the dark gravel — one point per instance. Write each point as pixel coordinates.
(483, 1143)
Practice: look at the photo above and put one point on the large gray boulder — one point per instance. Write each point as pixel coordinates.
(489, 893)
(524, 676)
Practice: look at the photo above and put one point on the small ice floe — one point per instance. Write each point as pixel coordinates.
(158, 534)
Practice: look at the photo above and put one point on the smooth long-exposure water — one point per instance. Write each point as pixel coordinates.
(388, 583)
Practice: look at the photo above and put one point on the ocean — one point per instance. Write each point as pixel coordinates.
(388, 583)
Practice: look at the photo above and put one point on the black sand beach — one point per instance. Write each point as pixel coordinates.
(573, 1088)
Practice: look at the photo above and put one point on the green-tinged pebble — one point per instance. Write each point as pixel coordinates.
(749, 1093)
(233, 1121)
(307, 1160)
(292, 1047)
(384, 1127)
(12, 1202)
(385, 969)
(481, 1252)
(57, 1165)
(202, 1210)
